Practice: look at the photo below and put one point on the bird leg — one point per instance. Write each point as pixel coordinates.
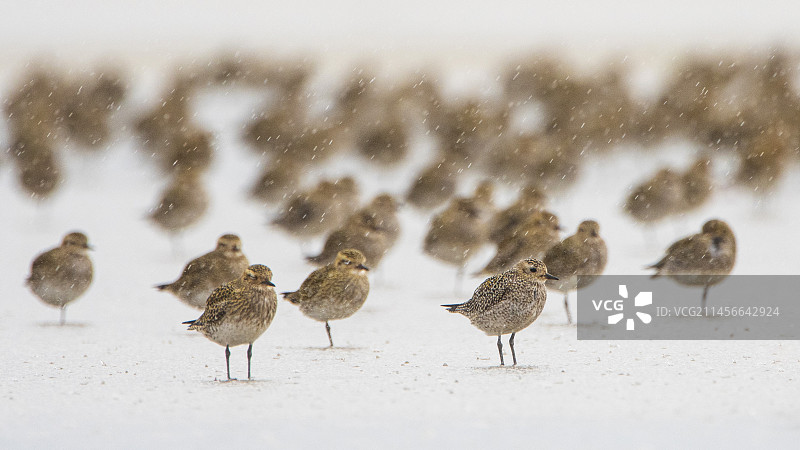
(228, 360)
(328, 329)
(63, 315)
(566, 307)
(511, 343)
(705, 294)
(500, 349)
(249, 356)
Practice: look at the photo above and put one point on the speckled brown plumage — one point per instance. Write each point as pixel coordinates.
(278, 182)
(335, 291)
(657, 198)
(433, 186)
(576, 259)
(697, 185)
(505, 222)
(319, 210)
(239, 312)
(182, 204)
(459, 231)
(373, 230)
(702, 259)
(61, 275)
(507, 302)
(531, 239)
(203, 274)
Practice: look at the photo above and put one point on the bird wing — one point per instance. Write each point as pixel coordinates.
(561, 258)
(314, 282)
(675, 256)
(43, 263)
(493, 290)
(215, 305)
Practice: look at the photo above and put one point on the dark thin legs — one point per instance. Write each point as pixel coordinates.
(63, 315)
(249, 356)
(566, 307)
(500, 349)
(511, 344)
(228, 360)
(328, 329)
(705, 294)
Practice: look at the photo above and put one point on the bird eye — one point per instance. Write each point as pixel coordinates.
(251, 276)
(533, 269)
(347, 262)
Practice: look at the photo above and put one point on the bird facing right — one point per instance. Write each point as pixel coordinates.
(507, 302)
(702, 259)
(239, 312)
(61, 275)
(335, 291)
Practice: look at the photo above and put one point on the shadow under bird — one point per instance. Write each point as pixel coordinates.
(61, 275)
(199, 278)
(577, 260)
(335, 291)
(239, 312)
(702, 259)
(508, 302)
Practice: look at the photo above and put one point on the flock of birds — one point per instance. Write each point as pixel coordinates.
(744, 107)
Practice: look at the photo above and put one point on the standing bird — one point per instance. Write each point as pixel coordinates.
(239, 312)
(203, 274)
(531, 239)
(183, 203)
(319, 210)
(506, 222)
(335, 291)
(703, 259)
(577, 260)
(657, 198)
(507, 302)
(372, 230)
(60, 275)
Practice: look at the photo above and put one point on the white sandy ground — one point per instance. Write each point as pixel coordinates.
(126, 373)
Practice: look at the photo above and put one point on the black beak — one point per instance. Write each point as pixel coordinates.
(268, 283)
(550, 277)
(362, 267)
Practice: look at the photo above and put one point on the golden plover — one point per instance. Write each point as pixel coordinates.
(507, 302)
(239, 312)
(335, 291)
(203, 274)
(575, 259)
(702, 259)
(61, 275)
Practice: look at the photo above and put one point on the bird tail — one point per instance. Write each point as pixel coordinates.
(315, 259)
(291, 296)
(657, 266)
(453, 308)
